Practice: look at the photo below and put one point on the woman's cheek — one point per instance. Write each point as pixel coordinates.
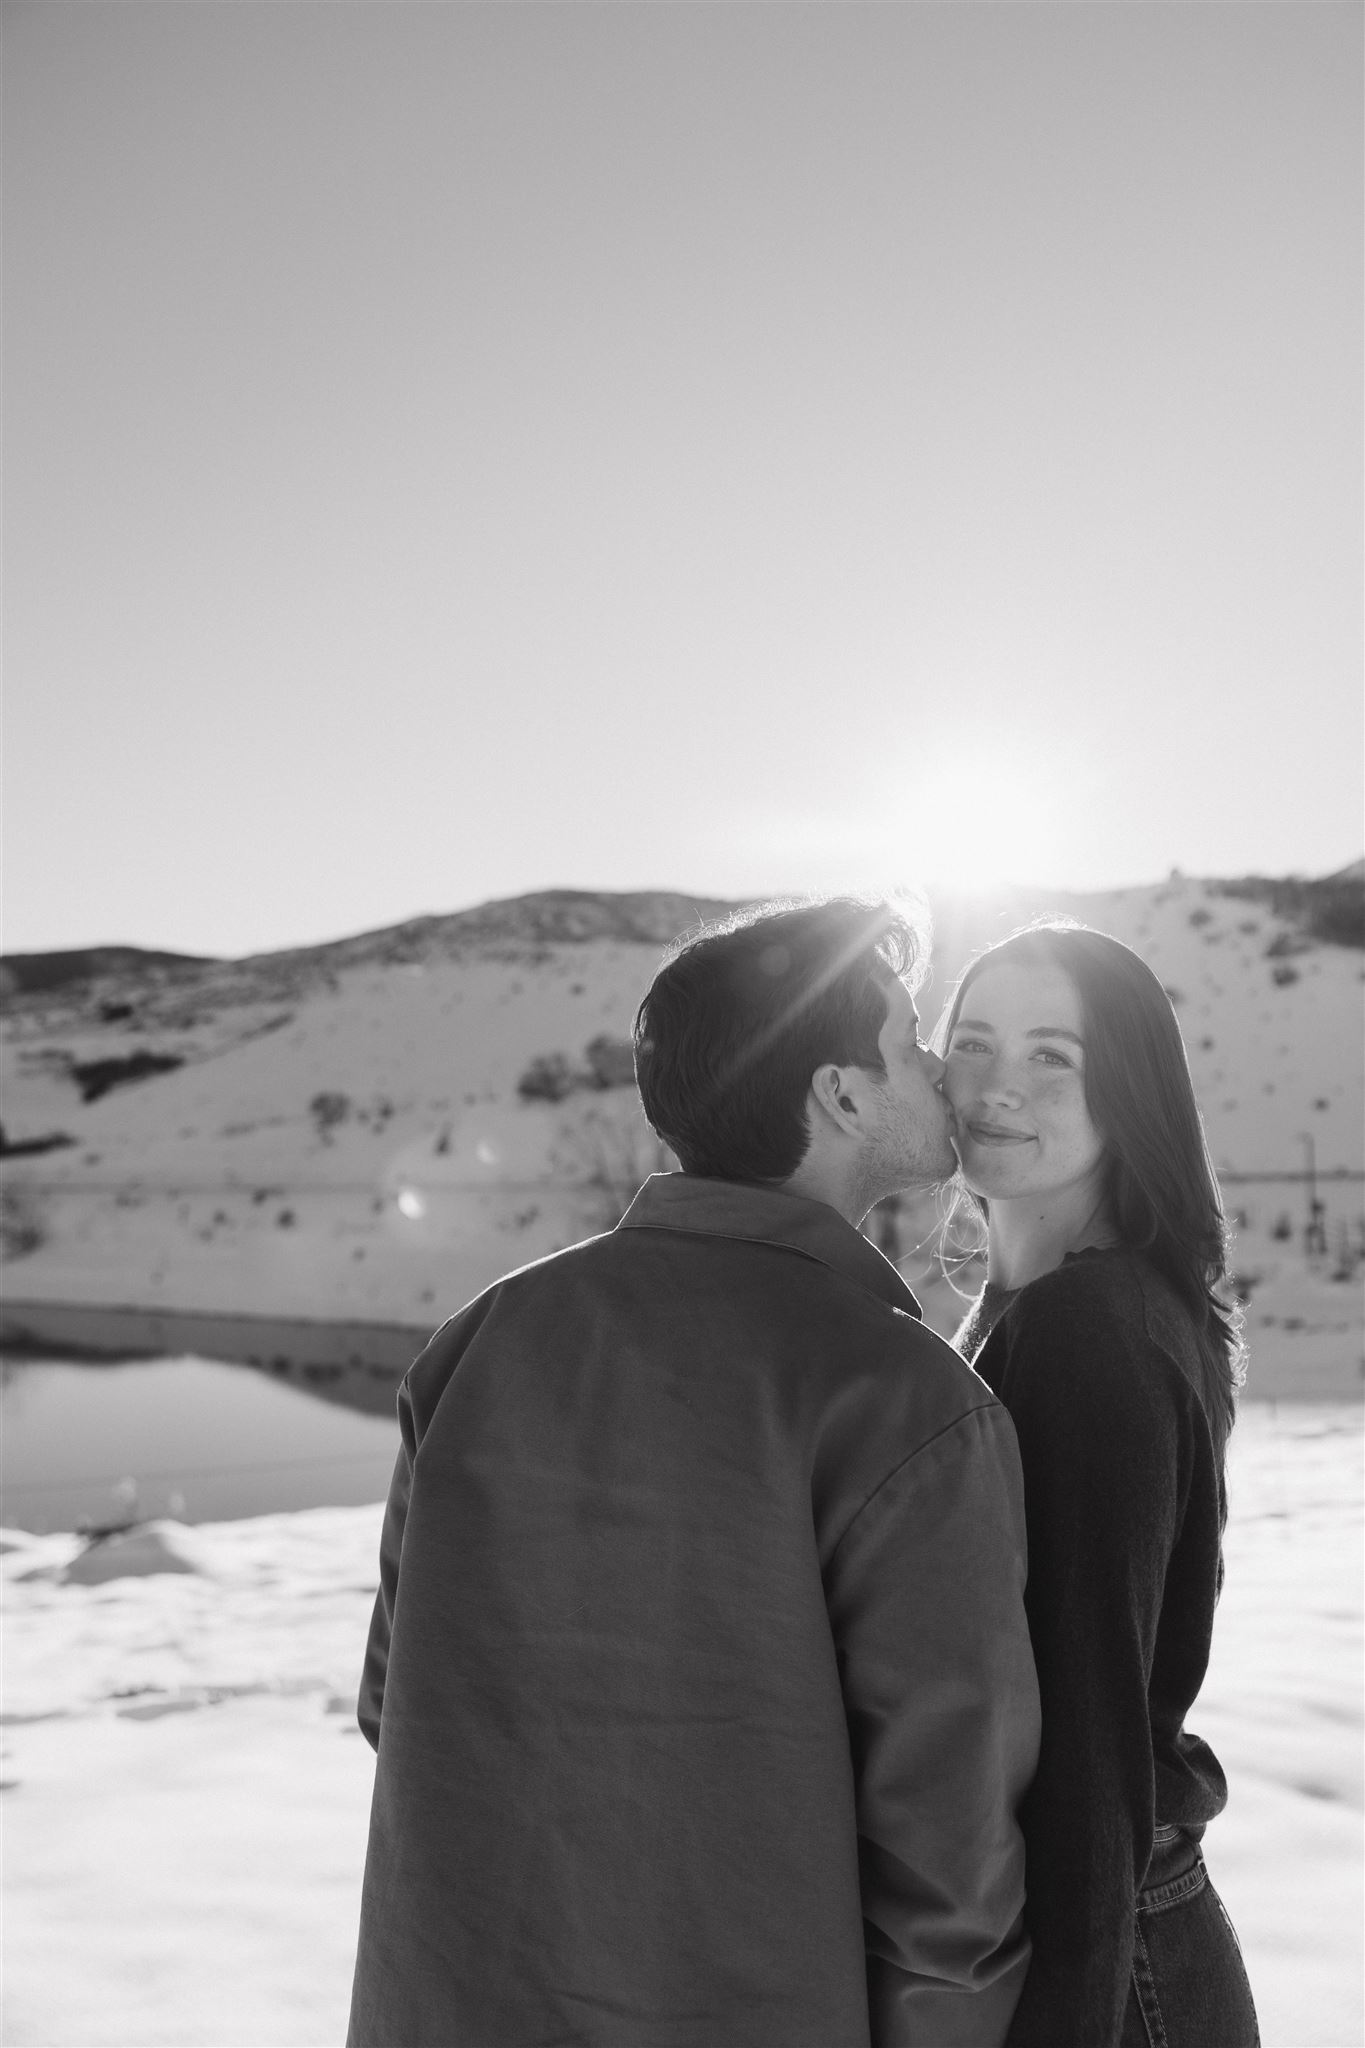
(1058, 1090)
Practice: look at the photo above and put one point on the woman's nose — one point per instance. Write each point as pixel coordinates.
(1001, 1086)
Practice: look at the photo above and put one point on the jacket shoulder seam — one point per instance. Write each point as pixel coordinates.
(978, 1408)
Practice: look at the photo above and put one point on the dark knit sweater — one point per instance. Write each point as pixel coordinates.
(1098, 1366)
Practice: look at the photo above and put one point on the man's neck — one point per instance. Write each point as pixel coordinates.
(818, 1181)
(1032, 1235)
(848, 1190)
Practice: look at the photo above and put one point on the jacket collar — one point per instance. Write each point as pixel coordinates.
(723, 1208)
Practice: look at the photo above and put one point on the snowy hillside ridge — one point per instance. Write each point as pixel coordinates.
(376, 1129)
(41, 973)
(548, 917)
(1330, 908)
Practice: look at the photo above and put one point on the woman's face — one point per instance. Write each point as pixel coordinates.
(1016, 1081)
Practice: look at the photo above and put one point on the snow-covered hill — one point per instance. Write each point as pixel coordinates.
(380, 1126)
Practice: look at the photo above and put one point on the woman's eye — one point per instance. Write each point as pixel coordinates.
(1055, 1059)
(968, 1045)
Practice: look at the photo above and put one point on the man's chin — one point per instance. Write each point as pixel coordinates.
(922, 1178)
(951, 1163)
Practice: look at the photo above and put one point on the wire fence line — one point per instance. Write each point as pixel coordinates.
(266, 1186)
(1299, 1174)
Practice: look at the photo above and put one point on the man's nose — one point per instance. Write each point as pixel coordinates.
(936, 1066)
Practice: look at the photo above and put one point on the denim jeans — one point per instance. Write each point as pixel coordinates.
(1189, 1987)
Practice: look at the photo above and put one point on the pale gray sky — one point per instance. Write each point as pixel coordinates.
(458, 449)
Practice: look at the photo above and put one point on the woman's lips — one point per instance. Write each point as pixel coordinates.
(995, 1134)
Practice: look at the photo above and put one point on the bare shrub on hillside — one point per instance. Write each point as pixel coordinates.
(1327, 907)
(96, 1077)
(329, 1108)
(611, 1061)
(549, 1078)
(22, 1228)
(1285, 943)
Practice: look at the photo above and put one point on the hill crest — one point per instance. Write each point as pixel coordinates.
(1329, 907)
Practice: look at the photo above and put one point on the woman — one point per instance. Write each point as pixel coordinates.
(1100, 1329)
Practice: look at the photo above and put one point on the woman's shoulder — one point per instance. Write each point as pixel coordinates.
(1103, 1323)
(1099, 1286)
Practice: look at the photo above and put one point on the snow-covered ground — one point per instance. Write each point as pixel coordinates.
(187, 1793)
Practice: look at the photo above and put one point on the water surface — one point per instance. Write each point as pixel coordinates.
(186, 1437)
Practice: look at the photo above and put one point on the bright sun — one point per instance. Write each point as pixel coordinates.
(960, 822)
(983, 827)
(972, 827)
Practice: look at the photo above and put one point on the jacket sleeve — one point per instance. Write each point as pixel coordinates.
(926, 1601)
(370, 1706)
(1099, 1436)
(418, 1394)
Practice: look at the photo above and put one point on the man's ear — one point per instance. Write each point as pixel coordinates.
(836, 1093)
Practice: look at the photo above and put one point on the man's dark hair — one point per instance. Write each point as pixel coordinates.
(741, 1014)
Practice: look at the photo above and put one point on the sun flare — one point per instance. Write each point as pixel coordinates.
(986, 826)
(962, 826)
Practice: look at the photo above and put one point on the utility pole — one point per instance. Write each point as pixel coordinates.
(1315, 1230)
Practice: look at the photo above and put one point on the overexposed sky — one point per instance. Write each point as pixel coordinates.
(456, 449)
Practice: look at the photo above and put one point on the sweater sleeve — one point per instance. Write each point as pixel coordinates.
(1098, 1419)
(925, 1593)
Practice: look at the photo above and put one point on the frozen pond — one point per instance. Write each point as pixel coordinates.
(184, 1437)
(99, 1442)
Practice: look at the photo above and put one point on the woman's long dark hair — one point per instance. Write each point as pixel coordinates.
(1159, 1181)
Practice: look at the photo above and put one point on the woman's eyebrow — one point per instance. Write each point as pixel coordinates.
(1038, 1031)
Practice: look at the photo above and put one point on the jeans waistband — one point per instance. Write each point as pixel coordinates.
(1175, 1866)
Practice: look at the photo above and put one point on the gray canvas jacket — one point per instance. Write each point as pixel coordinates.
(699, 1673)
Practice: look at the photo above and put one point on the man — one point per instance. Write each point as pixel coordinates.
(699, 1674)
